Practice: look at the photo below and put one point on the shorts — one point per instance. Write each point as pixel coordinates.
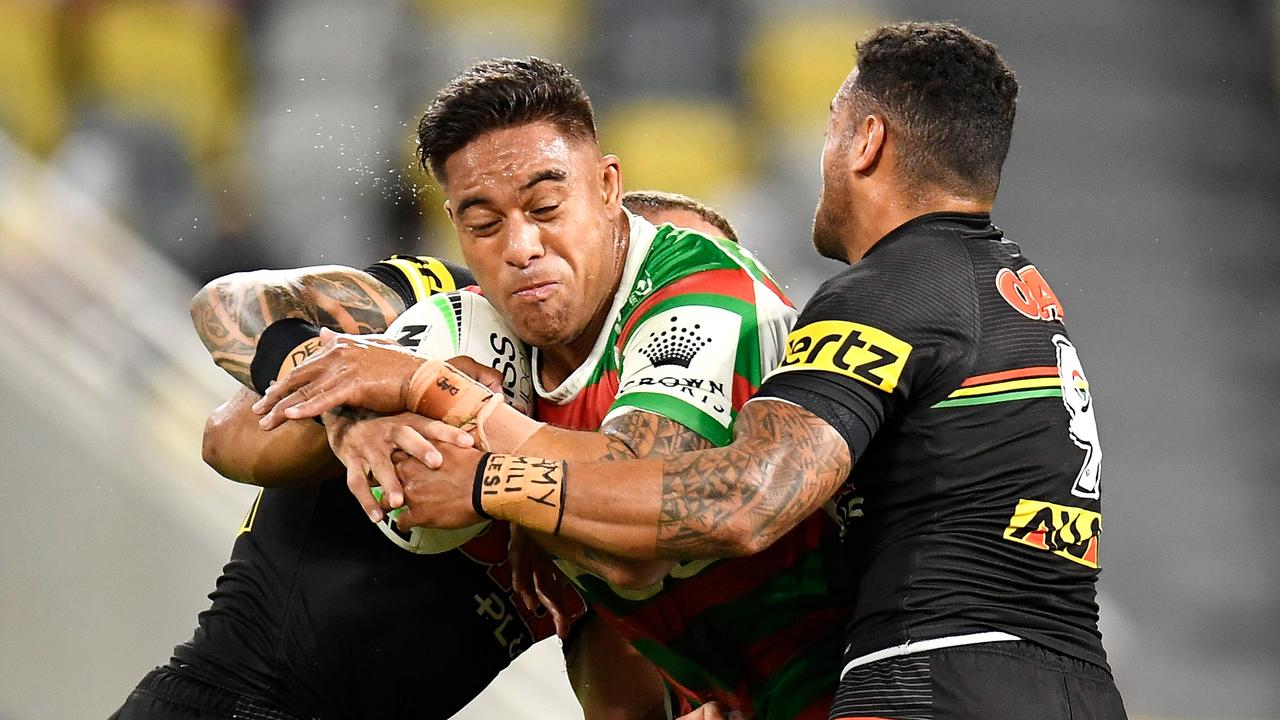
(988, 681)
(169, 694)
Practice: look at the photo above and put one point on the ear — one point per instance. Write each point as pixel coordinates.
(611, 181)
(448, 208)
(868, 144)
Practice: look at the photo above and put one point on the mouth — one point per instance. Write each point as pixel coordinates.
(536, 291)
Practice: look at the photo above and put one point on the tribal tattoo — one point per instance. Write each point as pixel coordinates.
(230, 313)
(784, 463)
(636, 435)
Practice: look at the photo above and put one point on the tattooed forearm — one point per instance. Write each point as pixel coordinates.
(643, 434)
(784, 463)
(230, 313)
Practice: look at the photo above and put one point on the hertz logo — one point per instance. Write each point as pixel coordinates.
(864, 353)
(1065, 531)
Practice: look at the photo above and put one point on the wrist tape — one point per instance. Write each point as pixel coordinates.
(527, 491)
(282, 346)
(439, 390)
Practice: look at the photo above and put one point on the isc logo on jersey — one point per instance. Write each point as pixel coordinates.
(686, 353)
(862, 352)
(446, 325)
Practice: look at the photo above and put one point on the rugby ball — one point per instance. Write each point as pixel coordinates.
(443, 326)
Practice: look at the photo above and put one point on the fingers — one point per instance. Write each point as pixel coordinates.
(358, 484)
(438, 431)
(552, 606)
(408, 439)
(483, 374)
(384, 473)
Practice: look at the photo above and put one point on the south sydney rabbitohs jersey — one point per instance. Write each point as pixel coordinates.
(972, 512)
(321, 615)
(694, 326)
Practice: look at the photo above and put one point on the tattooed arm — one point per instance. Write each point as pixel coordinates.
(626, 437)
(231, 312)
(784, 462)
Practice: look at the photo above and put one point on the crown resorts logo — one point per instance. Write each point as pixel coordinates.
(675, 345)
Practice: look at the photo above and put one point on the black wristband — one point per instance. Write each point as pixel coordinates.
(564, 484)
(274, 345)
(477, 484)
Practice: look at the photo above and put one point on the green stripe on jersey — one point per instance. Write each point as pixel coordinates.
(679, 411)
(803, 681)
(999, 398)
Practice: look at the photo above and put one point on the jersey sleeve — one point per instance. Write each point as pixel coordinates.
(415, 277)
(696, 349)
(896, 329)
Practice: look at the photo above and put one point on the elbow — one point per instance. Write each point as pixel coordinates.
(215, 450)
(636, 575)
(741, 537)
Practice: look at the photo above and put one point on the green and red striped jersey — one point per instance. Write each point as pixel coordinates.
(695, 325)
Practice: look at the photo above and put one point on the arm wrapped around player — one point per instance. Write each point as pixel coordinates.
(379, 375)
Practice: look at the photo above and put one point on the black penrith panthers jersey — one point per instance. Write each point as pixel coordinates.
(973, 504)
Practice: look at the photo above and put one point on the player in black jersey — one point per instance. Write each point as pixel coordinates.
(931, 390)
(299, 625)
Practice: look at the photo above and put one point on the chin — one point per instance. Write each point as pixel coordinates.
(828, 243)
(541, 330)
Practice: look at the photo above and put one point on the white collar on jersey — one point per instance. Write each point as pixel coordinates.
(642, 234)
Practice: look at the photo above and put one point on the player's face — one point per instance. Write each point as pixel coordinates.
(537, 218)
(831, 219)
(683, 218)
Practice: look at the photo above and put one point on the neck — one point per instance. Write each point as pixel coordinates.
(890, 213)
(559, 361)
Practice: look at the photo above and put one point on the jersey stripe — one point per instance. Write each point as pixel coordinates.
(1001, 397)
(1010, 375)
(678, 410)
(1007, 385)
(709, 284)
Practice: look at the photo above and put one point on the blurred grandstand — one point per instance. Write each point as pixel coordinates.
(149, 145)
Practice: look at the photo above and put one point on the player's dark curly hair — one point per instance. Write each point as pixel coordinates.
(947, 94)
(497, 94)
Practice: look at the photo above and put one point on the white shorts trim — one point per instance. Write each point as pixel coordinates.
(909, 647)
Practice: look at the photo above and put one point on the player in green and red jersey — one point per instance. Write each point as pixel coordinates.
(647, 341)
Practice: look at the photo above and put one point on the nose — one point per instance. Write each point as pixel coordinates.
(524, 242)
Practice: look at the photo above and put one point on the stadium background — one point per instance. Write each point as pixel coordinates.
(146, 146)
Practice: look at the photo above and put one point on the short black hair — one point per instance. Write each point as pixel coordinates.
(950, 97)
(501, 93)
(637, 201)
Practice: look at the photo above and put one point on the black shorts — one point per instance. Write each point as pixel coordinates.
(169, 694)
(988, 681)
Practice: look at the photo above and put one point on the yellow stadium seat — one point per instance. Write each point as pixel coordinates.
(684, 146)
(552, 26)
(33, 90)
(797, 62)
(177, 62)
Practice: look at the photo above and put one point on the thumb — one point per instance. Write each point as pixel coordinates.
(327, 336)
